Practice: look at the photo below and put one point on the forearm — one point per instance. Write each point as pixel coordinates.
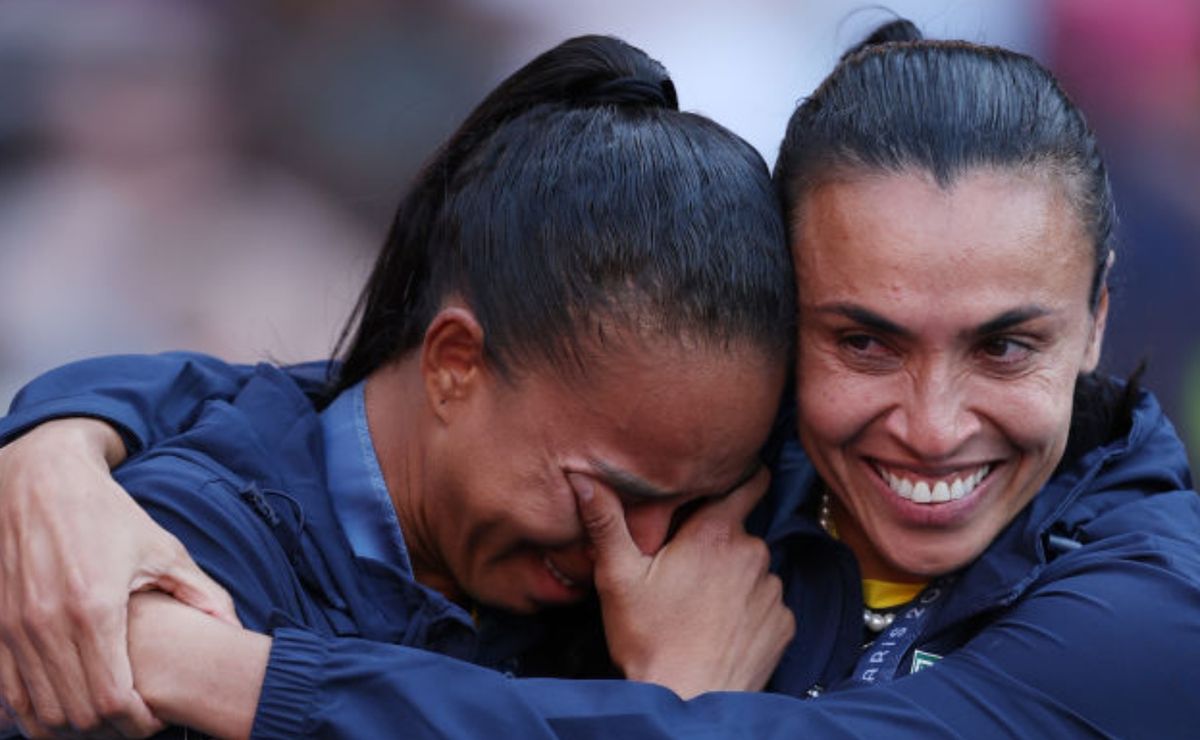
(90, 438)
(194, 670)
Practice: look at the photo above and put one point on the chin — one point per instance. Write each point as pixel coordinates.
(932, 561)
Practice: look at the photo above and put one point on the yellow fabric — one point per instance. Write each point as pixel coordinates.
(886, 594)
(880, 594)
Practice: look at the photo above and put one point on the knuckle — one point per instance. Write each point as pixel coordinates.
(84, 720)
(714, 533)
(758, 553)
(38, 616)
(604, 525)
(51, 717)
(112, 704)
(773, 586)
(788, 625)
(90, 609)
(18, 703)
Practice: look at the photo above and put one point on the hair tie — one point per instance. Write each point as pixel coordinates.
(634, 91)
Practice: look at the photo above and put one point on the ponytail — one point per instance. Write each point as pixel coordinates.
(576, 178)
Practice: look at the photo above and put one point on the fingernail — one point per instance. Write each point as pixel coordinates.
(582, 486)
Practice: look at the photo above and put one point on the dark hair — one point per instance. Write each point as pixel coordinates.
(897, 101)
(575, 193)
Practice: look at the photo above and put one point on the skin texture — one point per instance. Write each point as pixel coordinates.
(657, 435)
(941, 329)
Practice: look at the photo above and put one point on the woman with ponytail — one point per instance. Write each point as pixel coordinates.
(570, 291)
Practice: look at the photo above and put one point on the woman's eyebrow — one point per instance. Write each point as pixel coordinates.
(627, 483)
(1001, 322)
(866, 317)
(1010, 318)
(633, 486)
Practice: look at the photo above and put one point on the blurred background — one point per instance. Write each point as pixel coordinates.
(216, 174)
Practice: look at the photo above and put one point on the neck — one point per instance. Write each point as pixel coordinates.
(399, 422)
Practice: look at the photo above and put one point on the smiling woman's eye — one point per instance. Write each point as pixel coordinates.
(858, 342)
(1006, 351)
(866, 351)
(864, 344)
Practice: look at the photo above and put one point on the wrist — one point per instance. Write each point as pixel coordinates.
(194, 670)
(91, 438)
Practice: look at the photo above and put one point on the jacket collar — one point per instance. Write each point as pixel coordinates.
(822, 579)
(383, 602)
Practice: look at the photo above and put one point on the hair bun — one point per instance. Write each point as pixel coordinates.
(632, 91)
(900, 29)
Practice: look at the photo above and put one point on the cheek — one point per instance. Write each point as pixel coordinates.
(835, 404)
(1035, 414)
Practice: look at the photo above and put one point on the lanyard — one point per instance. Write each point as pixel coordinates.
(882, 658)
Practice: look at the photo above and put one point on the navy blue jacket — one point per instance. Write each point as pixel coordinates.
(1082, 618)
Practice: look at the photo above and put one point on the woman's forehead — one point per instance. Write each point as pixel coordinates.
(901, 233)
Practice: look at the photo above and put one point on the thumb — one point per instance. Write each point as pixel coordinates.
(603, 517)
(184, 580)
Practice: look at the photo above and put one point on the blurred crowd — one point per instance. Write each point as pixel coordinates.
(216, 174)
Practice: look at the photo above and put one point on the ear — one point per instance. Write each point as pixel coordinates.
(1096, 341)
(451, 358)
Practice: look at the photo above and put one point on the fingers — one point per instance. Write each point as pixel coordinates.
(739, 503)
(17, 705)
(603, 518)
(48, 658)
(110, 677)
(185, 581)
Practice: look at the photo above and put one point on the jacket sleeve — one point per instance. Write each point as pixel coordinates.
(1107, 642)
(145, 397)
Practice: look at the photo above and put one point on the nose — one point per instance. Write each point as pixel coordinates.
(936, 416)
(649, 524)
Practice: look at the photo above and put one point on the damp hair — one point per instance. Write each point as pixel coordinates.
(578, 198)
(898, 102)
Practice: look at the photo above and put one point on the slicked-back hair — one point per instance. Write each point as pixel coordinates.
(897, 102)
(578, 194)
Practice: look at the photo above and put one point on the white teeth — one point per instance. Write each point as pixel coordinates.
(922, 492)
(558, 574)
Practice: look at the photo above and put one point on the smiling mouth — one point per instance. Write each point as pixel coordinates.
(933, 491)
(559, 576)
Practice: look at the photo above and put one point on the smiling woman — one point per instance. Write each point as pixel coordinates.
(993, 514)
(951, 253)
(941, 336)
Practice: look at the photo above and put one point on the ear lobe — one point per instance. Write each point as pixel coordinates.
(451, 358)
(1096, 340)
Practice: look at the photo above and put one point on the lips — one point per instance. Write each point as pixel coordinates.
(559, 576)
(921, 490)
